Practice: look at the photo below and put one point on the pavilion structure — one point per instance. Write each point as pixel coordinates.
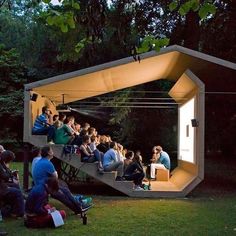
(189, 69)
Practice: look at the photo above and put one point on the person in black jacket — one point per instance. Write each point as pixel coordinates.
(12, 201)
(134, 171)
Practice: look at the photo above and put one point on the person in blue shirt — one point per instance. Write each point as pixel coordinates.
(111, 162)
(44, 169)
(36, 153)
(43, 124)
(163, 161)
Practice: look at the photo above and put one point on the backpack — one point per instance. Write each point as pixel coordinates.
(70, 149)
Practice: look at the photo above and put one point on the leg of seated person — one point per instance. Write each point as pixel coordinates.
(139, 179)
(42, 131)
(89, 159)
(155, 166)
(51, 132)
(120, 169)
(14, 201)
(116, 166)
(97, 155)
(136, 177)
(64, 196)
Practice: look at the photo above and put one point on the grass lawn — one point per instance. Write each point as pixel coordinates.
(204, 214)
(128, 216)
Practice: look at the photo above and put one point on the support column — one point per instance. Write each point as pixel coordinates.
(26, 167)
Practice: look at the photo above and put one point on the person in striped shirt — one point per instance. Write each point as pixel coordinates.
(43, 124)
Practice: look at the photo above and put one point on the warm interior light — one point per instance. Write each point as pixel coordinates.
(187, 132)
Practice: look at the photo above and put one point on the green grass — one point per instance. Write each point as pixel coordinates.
(129, 216)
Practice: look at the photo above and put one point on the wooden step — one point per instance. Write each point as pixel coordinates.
(91, 169)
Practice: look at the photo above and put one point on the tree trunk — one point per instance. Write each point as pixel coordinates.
(192, 31)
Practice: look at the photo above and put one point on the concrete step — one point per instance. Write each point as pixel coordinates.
(91, 169)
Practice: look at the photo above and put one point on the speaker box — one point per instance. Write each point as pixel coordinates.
(34, 97)
(194, 123)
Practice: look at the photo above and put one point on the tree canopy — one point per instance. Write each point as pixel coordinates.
(40, 39)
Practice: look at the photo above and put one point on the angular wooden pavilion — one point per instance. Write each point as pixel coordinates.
(184, 66)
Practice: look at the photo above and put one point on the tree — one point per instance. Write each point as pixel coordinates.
(12, 74)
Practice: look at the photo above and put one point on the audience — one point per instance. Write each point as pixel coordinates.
(11, 196)
(94, 147)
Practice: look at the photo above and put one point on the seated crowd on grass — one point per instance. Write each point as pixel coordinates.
(35, 207)
(92, 147)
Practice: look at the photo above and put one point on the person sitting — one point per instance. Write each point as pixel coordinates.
(6, 158)
(43, 124)
(85, 126)
(134, 171)
(87, 155)
(162, 162)
(128, 159)
(111, 162)
(36, 152)
(92, 131)
(103, 146)
(65, 134)
(145, 168)
(37, 208)
(60, 122)
(77, 128)
(120, 152)
(55, 119)
(11, 196)
(45, 169)
(93, 147)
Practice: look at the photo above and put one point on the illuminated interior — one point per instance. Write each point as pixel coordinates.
(187, 131)
(174, 63)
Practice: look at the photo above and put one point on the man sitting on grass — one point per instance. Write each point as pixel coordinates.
(44, 169)
(37, 208)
